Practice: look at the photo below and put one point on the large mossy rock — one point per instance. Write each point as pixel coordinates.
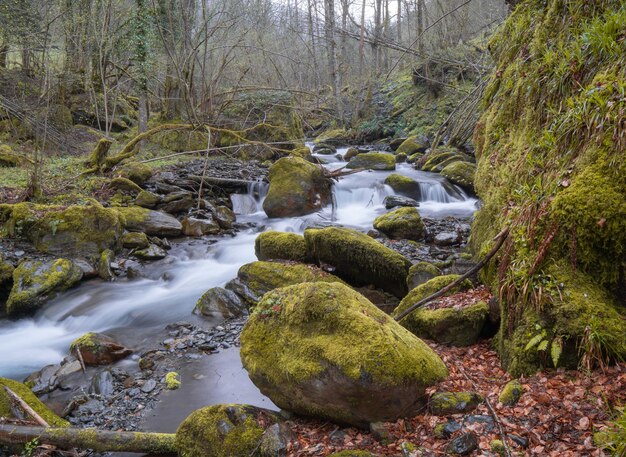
(461, 174)
(227, 431)
(438, 159)
(136, 172)
(358, 258)
(9, 410)
(334, 137)
(262, 277)
(35, 282)
(324, 350)
(73, 231)
(273, 245)
(154, 223)
(401, 224)
(412, 145)
(552, 168)
(404, 185)
(297, 187)
(373, 161)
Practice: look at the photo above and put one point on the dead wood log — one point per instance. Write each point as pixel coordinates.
(26, 407)
(98, 440)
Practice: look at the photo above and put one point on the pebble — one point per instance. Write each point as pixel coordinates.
(149, 386)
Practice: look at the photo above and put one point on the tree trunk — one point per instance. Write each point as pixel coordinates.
(335, 78)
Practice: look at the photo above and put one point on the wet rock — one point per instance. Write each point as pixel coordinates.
(152, 252)
(511, 393)
(242, 290)
(401, 223)
(464, 444)
(461, 174)
(98, 349)
(150, 222)
(44, 380)
(351, 152)
(446, 429)
(199, 227)
(297, 187)
(394, 201)
(102, 384)
(135, 240)
(520, 440)
(35, 282)
(104, 265)
(300, 351)
(483, 419)
(149, 386)
(147, 199)
(225, 217)
(358, 258)
(220, 302)
(404, 185)
(373, 161)
(325, 149)
(421, 273)
(226, 430)
(273, 245)
(447, 238)
(447, 403)
(276, 440)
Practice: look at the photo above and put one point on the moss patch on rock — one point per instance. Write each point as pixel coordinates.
(7, 408)
(311, 334)
(401, 224)
(412, 145)
(404, 185)
(511, 393)
(448, 403)
(461, 174)
(358, 258)
(279, 245)
(373, 161)
(137, 172)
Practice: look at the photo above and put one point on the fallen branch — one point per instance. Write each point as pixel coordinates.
(500, 238)
(493, 413)
(30, 411)
(223, 182)
(98, 440)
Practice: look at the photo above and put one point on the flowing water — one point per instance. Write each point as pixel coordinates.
(134, 310)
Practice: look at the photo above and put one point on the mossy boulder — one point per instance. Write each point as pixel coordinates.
(297, 187)
(221, 303)
(438, 159)
(373, 161)
(199, 227)
(137, 172)
(448, 403)
(461, 174)
(304, 347)
(135, 240)
(8, 158)
(152, 252)
(401, 224)
(154, 223)
(147, 199)
(333, 137)
(98, 349)
(35, 282)
(412, 145)
(511, 393)
(358, 258)
(278, 245)
(8, 410)
(404, 185)
(125, 185)
(182, 140)
(6, 272)
(350, 152)
(420, 273)
(262, 277)
(225, 431)
(73, 231)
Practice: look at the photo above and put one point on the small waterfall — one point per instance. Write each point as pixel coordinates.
(440, 192)
(250, 202)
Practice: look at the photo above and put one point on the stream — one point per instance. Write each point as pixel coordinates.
(135, 311)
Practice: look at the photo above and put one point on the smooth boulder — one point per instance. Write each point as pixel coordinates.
(324, 350)
(395, 201)
(401, 224)
(297, 187)
(221, 303)
(273, 245)
(35, 282)
(98, 349)
(373, 161)
(461, 174)
(358, 259)
(153, 223)
(404, 185)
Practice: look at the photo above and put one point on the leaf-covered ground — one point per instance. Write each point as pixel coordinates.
(556, 416)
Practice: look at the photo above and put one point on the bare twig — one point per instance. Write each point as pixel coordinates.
(31, 412)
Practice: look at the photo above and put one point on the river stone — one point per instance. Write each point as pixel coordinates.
(351, 152)
(150, 222)
(226, 431)
(135, 240)
(152, 252)
(6, 276)
(401, 224)
(102, 384)
(421, 273)
(412, 145)
(373, 161)
(199, 227)
(104, 265)
(35, 282)
(147, 199)
(358, 258)
(324, 149)
(404, 185)
(297, 187)
(448, 403)
(447, 238)
(225, 217)
(8, 410)
(180, 205)
(303, 347)
(394, 201)
(98, 349)
(272, 245)
(220, 302)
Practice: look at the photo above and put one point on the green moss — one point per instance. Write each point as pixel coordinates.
(297, 333)
(86, 342)
(497, 446)
(25, 394)
(358, 258)
(403, 185)
(137, 172)
(222, 431)
(511, 393)
(461, 174)
(6, 271)
(172, 380)
(125, 185)
(373, 161)
(277, 245)
(135, 240)
(402, 223)
(440, 431)
(335, 137)
(8, 158)
(438, 159)
(411, 146)
(447, 403)
(182, 140)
